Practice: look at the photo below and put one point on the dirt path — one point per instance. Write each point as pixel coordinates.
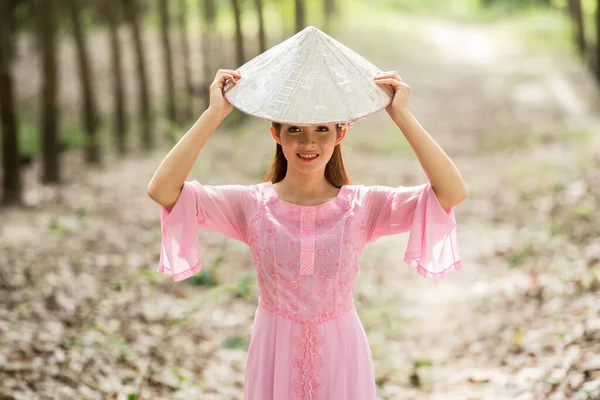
(515, 123)
(86, 316)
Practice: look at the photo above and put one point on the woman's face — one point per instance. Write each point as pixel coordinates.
(308, 148)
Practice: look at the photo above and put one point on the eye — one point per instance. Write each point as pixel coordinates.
(295, 129)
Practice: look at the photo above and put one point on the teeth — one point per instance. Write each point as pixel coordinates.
(307, 156)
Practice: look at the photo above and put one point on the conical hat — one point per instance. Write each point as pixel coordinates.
(308, 79)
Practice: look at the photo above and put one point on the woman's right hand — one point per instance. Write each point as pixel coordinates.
(218, 102)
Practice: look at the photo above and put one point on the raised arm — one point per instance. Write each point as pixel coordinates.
(167, 182)
(446, 182)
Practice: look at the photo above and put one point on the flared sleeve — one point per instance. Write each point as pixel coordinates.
(219, 208)
(432, 243)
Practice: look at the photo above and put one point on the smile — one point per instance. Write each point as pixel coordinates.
(307, 157)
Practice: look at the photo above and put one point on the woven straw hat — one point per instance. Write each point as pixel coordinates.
(308, 79)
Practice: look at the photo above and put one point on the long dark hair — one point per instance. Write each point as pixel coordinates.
(335, 171)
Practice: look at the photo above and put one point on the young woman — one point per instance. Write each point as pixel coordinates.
(306, 227)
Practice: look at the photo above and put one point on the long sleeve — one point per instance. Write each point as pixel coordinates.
(432, 243)
(218, 208)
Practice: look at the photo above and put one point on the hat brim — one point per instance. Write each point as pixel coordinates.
(298, 123)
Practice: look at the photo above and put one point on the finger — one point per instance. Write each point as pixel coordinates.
(225, 77)
(389, 74)
(232, 71)
(395, 75)
(228, 71)
(221, 81)
(389, 81)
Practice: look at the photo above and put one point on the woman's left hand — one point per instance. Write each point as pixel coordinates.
(398, 86)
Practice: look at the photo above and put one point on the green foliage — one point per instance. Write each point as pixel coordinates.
(467, 9)
(208, 275)
(236, 342)
(433, 6)
(149, 273)
(243, 288)
(29, 136)
(422, 363)
(520, 256)
(514, 5)
(68, 222)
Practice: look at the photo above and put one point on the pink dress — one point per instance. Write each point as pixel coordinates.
(307, 340)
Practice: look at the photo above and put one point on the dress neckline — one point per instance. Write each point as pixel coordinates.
(331, 201)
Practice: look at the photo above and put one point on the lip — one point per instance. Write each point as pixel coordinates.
(307, 153)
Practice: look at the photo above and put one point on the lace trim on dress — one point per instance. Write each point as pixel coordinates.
(308, 362)
(307, 241)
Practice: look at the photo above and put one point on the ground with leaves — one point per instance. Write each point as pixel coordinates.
(85, 315)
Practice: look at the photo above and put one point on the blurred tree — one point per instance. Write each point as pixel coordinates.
(300, 15)
(210, 58)
(133, 16)
(165, 28)
(578, 27)
(597, 40)
(516, 4)
(12, 184)
(89, 113)
(329, 10)
(112, 12)
(262, 39)
(185, 49)
(282, 7)
(329, 6)
(47, 27)
(239, 36)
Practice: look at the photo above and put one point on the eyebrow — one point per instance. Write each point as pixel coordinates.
(318, 126)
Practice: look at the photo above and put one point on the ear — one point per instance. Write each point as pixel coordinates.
(275, 134)
(340, 136)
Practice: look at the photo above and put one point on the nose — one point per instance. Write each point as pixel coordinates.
(309, 137)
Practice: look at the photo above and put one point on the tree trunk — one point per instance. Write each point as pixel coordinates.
(210, 58)
(132, 14)
(239, 37)
(89, 113)
(578, 31)
(165, 28)
(300, 12)
(185, 49)
(12, 184)
(120, 114)
(262, 38)
(46, 21)
(598, 40)
(329, 11)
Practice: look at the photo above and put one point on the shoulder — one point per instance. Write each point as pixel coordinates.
(361, 193)
(366, 194)
(260, 191)
(229, 191)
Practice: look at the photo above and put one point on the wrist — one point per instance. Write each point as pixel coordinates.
(400, 115)
(215, 114)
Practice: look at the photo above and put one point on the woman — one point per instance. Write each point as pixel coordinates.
(306, 227)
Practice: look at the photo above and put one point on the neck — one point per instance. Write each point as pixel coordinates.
(299, 184)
